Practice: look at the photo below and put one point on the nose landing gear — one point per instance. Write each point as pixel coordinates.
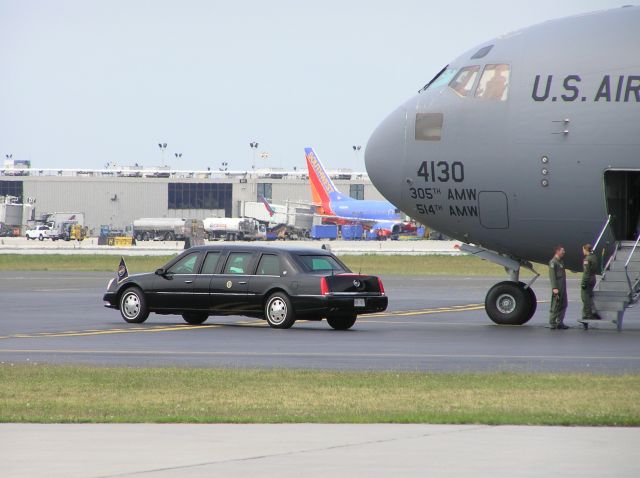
(509, 302)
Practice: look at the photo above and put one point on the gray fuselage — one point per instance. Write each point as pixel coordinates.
(524, 172)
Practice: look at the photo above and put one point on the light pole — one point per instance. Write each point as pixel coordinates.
(163, 148)
(356, 151)
(254, 148)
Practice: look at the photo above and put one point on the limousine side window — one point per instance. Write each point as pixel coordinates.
(210, 263)
(320, 263)
(269, 265)
(238, 263)
(186, 265)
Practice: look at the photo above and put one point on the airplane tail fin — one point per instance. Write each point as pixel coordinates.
(267, 206)
(323, 191)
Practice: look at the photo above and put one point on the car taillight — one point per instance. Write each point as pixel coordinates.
(380, 286)
(324, 287)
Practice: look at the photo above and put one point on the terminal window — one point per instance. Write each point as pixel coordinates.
(356, 191)
(11, 188)
(200, 196)
(264, 191)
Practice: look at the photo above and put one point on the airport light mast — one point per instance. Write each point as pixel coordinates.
(356, 151)
(254, 148)
(163, 148)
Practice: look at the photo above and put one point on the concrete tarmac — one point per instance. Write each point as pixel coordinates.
(433, 324)
(282, 451)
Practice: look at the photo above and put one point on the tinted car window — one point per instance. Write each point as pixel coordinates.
(186, 265)
(238, 263)
(210, 263)
(320, 263)
(269, 265)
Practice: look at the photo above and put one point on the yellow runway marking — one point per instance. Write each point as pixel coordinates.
(243, 323)
(438, 310)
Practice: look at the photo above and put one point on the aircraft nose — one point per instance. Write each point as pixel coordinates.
(385, 153)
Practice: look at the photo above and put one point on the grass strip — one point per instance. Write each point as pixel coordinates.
(367, 264)
(78, 394)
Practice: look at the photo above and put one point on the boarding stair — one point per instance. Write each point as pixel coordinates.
(619, 287)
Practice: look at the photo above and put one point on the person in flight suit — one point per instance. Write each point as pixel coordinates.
(558, 279)
(589, 271)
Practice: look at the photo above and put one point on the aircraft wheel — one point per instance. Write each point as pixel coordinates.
(195, 318)
(532, 298)
(342, 322)
(509, 303)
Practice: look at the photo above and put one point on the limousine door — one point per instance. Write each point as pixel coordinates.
(229, 293)
(267, 274)
(174, 290)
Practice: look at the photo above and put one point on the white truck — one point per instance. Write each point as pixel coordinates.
(161, 229)
(41, 232)
(234, 228)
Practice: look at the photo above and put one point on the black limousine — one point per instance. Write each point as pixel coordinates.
(278, 284)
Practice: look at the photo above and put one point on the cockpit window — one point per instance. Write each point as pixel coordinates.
(482, 52)
(428, 126)
(494, 83)
(464, 80)
(441, 79)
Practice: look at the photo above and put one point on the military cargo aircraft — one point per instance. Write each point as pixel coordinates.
(525, 142)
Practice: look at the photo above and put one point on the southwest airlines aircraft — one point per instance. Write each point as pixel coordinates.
(379, 216)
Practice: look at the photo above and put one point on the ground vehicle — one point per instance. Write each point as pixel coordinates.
(273, 283)
(68, 231)
(41, 232)
(161, 229)
(56, 219)
(234, 228)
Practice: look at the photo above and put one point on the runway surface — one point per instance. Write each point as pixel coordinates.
(383, 450)
(433, 324)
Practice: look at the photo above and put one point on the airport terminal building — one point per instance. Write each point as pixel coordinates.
(116, 198)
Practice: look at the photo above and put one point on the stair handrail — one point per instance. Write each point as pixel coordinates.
(626, 264)
(604, 228)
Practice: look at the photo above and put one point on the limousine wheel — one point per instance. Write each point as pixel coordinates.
(195, 318)
(342, 322)
(133, 306)
(279, 311)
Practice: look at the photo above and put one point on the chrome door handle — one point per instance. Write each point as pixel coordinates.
(242, 282)
(188, 282)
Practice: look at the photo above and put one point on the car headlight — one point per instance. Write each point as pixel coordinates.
(110, 284)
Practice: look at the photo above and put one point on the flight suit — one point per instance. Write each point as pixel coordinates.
(589, 270)
(559, 302)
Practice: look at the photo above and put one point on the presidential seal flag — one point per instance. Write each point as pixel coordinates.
(123, 273)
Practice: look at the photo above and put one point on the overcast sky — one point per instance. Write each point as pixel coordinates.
(83, 83)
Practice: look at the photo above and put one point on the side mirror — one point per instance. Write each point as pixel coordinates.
(160, 272)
